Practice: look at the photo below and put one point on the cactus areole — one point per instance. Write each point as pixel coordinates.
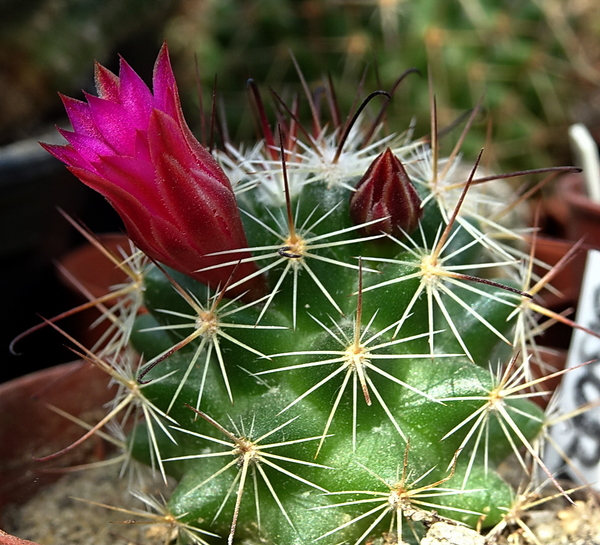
(325, 356)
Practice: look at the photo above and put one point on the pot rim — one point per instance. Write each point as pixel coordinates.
(572, 189)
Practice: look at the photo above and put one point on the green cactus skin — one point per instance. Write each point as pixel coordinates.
(305, 426)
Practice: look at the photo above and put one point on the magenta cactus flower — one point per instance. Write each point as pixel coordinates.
(386, 193)
(134, 147)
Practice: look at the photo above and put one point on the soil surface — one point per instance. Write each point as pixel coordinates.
(60, 515)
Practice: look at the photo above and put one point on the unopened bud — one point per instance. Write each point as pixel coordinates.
(386, 193)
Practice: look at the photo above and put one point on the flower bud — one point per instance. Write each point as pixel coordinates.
(134, 147)
(386, 193)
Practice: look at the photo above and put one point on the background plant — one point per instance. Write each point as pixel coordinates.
(531, 59)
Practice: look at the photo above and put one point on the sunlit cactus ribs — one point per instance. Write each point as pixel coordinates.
(338, 339)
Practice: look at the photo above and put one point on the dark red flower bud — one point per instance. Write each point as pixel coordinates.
(386, 193)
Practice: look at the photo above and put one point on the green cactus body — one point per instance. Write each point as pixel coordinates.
(341, 366)
(314, 427)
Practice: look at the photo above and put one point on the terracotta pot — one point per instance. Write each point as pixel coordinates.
(579, 220)
(584, 214)
(551, 360)
(97, 274)
(567, 280)
(571, 216)
(93, 270)
(7, 539)
(28, 428)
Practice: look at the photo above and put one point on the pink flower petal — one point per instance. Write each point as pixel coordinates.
(107, 84)
(109, 119)
(67, 155)
(80, 116)
(88, 147)
(135, 97)
(166, 97)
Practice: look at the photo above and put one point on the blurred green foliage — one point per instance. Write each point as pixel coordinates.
(533, 60)
(536, 61)
(49, 45)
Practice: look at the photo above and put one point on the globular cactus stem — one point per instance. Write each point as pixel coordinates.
(338, 337)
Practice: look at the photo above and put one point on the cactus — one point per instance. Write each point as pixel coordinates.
(338, 338)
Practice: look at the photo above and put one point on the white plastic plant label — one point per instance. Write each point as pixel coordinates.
(579, 436)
